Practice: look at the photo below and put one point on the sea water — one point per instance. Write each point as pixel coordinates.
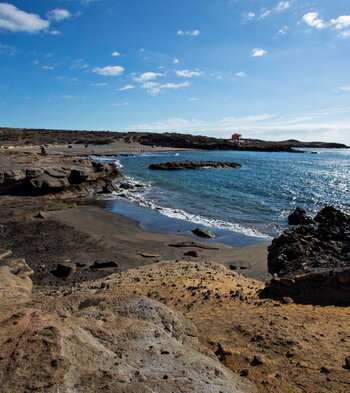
(253, 201)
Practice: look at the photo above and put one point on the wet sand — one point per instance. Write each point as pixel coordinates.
(125, 239)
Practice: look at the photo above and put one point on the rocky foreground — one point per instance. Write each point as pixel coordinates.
(180, 165)
(311, 260)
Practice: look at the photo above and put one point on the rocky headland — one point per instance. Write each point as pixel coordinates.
(27, 137)
(179, 165)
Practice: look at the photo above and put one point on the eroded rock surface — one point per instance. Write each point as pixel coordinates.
(92, 342)
(311, 259)
(52, 176)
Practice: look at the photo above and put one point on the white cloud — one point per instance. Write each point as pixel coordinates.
(188, 73)
(345, 88)
(59, 14)
(193, 33)
(127, 87)
(147, 76)
(15, 20)
(341, 22)
(323, 125)
(55, 32)
(258, 52)
(312, 19)
(175, 85)
(48, 67)
(115, 54)
(241, 74)
(176, 61)
(249, 15)
(109, 70)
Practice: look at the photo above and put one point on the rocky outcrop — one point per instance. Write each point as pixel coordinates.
(310, 261)
(53, 177)
(91, 341)
(178, 165)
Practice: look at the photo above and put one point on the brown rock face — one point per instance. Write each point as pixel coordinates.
(311, 260)
(54, 177)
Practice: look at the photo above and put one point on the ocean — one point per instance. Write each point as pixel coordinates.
(242, 206)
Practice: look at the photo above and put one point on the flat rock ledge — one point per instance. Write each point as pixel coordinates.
(51, 178)
(310, 261)
(178, 165)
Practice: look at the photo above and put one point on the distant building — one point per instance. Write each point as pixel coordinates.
(236, 137)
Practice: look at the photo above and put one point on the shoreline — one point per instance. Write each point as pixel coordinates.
(132, 239)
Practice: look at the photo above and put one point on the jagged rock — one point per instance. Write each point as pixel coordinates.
(178, 165)
(65, 269)
(257, 361)
(299, 217)
(104, 265)
(311, 260)
(202, 232)
(192, 253)
(347, 363)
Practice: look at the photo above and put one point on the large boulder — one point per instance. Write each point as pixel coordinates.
(311, 260)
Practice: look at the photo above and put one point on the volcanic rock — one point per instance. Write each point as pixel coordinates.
(311, 260)
(178, 165)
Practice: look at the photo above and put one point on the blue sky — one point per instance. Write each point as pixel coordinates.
(266, 68)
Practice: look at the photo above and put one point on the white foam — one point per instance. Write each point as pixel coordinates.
(181, 214)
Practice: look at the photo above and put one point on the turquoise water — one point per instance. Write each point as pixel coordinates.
(253, 201)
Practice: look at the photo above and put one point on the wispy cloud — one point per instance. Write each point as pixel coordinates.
(192, 33)
(109, 70)
(15, 20)
(115, 54)
(265, 13)
(241, 74)
(175, 85)
(127, 87)
(188, 73)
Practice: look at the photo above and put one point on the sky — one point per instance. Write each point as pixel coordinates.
(267, 69)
